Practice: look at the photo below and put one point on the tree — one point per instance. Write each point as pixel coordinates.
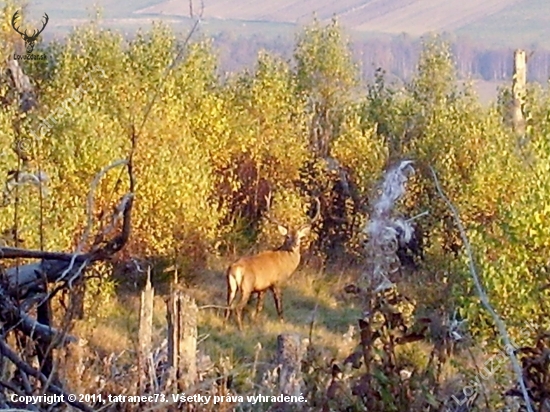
(326, 80)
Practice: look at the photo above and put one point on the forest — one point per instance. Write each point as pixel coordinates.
(398, 55)
(133, 165)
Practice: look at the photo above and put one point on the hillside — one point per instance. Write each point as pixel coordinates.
(398, 16)
(502, 23)
(385, 33)
(524, 24)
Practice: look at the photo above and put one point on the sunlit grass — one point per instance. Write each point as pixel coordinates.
(313, 304)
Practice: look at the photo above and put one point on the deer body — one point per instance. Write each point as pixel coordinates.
(264, 271)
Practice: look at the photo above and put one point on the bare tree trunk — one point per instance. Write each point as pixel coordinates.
(518, 91)
(27, 98)
(23, 85)
(44, 350)
(290, 352)
(182, 312)
(145, 331)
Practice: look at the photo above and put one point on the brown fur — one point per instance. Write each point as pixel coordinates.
(267, 270)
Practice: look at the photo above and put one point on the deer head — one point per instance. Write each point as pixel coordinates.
(293, 236)
(29, 40)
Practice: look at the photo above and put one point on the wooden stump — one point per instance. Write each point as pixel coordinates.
(182, 312)
(290, 352)
(146, 331)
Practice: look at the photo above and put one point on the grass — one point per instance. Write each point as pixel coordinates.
(314, 303)
(307, 297)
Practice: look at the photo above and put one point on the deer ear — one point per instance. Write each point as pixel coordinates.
(282, 230)
(304, 231)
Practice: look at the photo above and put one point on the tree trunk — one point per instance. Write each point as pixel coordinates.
(145, 331)
(290, 352)
(182, 340)
(518, 92)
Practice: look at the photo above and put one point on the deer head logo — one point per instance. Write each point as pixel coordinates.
(29, 40)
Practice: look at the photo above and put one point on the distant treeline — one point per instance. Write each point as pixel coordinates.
(398, 56)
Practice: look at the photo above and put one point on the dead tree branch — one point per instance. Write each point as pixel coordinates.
(30, 371)
(482, 295)
(23, 86)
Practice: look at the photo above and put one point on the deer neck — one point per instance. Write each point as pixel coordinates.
(292, 251)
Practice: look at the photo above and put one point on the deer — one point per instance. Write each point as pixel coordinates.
(29, 39)
(267, 270)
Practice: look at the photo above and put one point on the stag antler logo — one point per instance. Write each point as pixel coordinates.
(29, 40)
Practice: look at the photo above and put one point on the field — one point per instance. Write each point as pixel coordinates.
(495, 23)
(246, 28)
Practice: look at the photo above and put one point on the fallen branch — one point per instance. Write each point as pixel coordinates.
(30, 281)
(15, 318)
(20, 253)
(21, 279)
(482, 295)
(47, 334)
(57, 266)
(29, 370)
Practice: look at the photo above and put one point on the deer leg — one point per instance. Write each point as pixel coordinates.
(231, 294)
(245, 295)
(259, 303)
(277, 295)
